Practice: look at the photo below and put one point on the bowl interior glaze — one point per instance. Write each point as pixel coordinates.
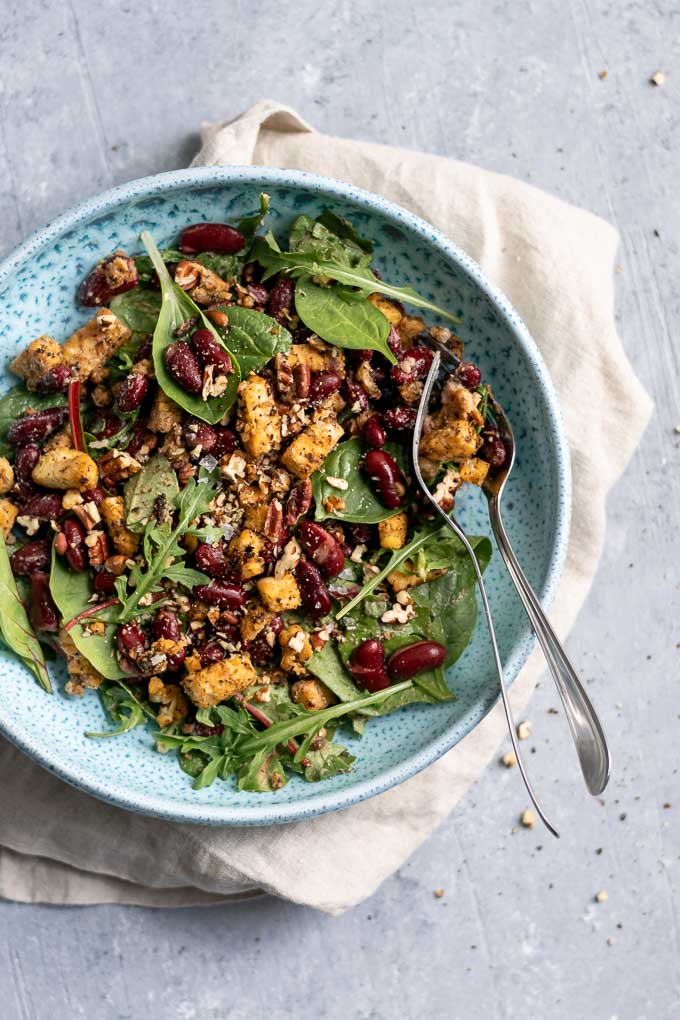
(38, 283)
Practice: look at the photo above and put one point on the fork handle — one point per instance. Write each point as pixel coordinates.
(586, 729)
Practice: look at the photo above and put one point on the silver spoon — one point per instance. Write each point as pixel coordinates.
(585, 726)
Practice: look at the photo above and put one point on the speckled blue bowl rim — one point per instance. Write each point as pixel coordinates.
(326, 799)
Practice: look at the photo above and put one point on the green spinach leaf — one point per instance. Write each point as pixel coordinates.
(177, 307)
(328, 666)
(15, 626)
(253, 338)
(157, 478)
(353, 325)
(361, 504)
(452, 598)
(16, 402)
(72, 594)
(138, 308)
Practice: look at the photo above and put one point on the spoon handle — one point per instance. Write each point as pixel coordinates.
(586, 729)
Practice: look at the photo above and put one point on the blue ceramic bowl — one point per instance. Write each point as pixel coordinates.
(38, 283)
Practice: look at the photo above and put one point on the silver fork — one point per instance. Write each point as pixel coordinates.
(586, 730)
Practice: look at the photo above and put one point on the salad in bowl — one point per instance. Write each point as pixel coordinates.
(208, 508)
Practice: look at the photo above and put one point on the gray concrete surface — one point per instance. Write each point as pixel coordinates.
(97, 93)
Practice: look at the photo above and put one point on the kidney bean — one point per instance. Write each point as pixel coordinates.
(226, 441)
(362, 356)
(95, 495)
(37, 426)
(217, 237)
(45, 508)
(131, 392)
(56, 380)
(211, 652)
(31, 557)
(166, 625)
(139, 437)
(275, 625)
(493, 450)
(400, 419)
(42, 611)
(131, 640)
(198, 433)
(280, 300)
(373, 433)
(416, 658)
(212, 560)
(113, 275)
(259, 650)
(217, 593)
(104, 583)
(361, 534)
(386, 477)
(183, 366)
(322, 548)
(313, 591)
(76, 550)
(367, 665)
(106, 424)
(357, 395)
(201, 730)
(25, 460)
(323, 385)
(414, 363)
(468, 374)
(209, 352)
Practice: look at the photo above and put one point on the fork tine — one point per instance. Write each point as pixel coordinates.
(458, 531)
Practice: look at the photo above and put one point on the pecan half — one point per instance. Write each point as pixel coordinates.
(298, 502)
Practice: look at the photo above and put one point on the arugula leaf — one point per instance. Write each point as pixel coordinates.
(161, 544)
(138, 308)
(303, 264)
(361, 504)
(16, 402)
(15, 628)
(72, 594)
(177, 307)
(397, 557)
(253, 338)
(330, 760)
(345, 230)
(264, 773)
(249, 225)
(280, 732)
(314, 237)
(157, 478)
(122, 705)
(353, 325)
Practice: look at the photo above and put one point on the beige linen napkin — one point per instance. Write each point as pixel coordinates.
(555, 262)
